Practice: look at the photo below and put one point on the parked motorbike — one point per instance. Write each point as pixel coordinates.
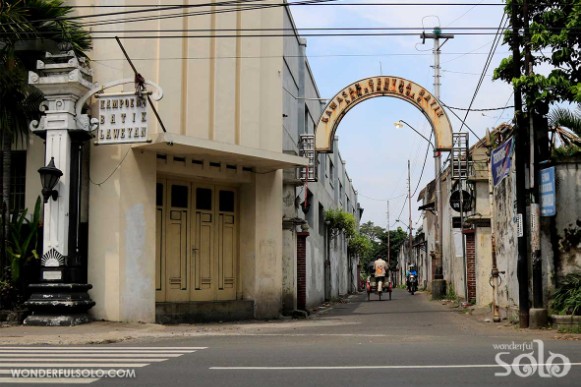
(412, 284)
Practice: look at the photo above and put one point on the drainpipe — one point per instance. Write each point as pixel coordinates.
(495, 274)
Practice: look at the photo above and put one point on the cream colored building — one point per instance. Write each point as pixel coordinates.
(189, 224)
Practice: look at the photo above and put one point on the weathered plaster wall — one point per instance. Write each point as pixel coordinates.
(122, 235)
(568, 220)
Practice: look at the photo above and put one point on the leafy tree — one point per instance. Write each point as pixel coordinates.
(28, 28)
(340, 222)
(397, 238)
(378, 238)
(372, 231)
(359, 245)
(553, 40)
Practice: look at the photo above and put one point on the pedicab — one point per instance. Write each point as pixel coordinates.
(371, 284)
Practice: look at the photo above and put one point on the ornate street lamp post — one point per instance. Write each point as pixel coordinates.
(60, 297)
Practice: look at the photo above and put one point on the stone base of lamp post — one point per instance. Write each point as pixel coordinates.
(59, 304)
(438, 289)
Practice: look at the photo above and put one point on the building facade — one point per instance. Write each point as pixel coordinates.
(193, 224)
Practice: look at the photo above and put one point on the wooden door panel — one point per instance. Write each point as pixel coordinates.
(177, 242)
(227, 258)
(159, 272)
(176, 250)
(203, 248)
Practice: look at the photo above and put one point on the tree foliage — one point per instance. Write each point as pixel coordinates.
(561, 117)
(554, 42)
(340, 222)
(28, 28)
(378, 237)
(359, 245)
(372, 231)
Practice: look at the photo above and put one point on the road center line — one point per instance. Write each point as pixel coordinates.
(435, 366)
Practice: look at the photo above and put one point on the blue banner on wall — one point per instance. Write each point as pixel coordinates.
(501, 161)
(548, 192)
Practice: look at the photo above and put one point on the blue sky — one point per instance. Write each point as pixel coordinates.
(375, 151)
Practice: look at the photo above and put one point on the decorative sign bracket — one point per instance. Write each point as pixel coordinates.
(90, 124)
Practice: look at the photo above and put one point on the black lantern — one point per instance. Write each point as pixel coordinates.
(49, 176)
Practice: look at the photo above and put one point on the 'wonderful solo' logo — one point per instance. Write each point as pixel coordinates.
(527, 364)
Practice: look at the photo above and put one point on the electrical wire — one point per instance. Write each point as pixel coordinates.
(506, 106)
(423, 166)
(113, 171)
(481, 110)
(461, 120)
(504, 20)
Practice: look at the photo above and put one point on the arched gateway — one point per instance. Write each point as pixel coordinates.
(388, 86)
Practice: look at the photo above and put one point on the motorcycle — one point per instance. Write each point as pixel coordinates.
(371, 287)
(412, 284)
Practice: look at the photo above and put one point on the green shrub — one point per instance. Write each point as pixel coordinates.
(567, 297)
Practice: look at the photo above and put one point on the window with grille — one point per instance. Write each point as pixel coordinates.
(17, 180)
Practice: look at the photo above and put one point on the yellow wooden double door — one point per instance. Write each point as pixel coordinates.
(197, 242)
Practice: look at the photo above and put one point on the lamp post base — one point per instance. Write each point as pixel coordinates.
(54, 320)
(438, 289)
(59, 304)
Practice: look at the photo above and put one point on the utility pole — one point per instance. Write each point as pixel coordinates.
(438, 282)
(520, 169)
(538, 314)
(388, 241)
(410, 214)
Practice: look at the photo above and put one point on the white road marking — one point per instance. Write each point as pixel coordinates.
(307, 368)
(94, 348)
(47, 380)
(74, 365)
(93, 354)
(62, 358)
(65, 350)
(84, 359)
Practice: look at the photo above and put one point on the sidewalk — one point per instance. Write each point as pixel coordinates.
(483, 316)
(105, 332)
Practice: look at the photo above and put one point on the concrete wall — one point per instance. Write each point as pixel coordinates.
(560, 247)
(560, 238)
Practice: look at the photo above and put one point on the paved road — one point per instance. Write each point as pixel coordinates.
(406, 341)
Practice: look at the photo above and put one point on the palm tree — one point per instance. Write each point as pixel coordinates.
(28, 28)
(559, 118)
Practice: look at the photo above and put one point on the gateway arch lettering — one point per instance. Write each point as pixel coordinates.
(388, 86)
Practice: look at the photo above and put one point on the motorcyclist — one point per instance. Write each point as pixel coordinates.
(380, 268)
(411, 271)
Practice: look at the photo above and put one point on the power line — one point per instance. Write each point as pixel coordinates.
(240, 6)
(310, 56)
(423, 166)
(496, 42)
(480, 110)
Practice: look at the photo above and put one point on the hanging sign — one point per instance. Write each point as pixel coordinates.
(500, 161)
(122, 118)
(548, 192)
